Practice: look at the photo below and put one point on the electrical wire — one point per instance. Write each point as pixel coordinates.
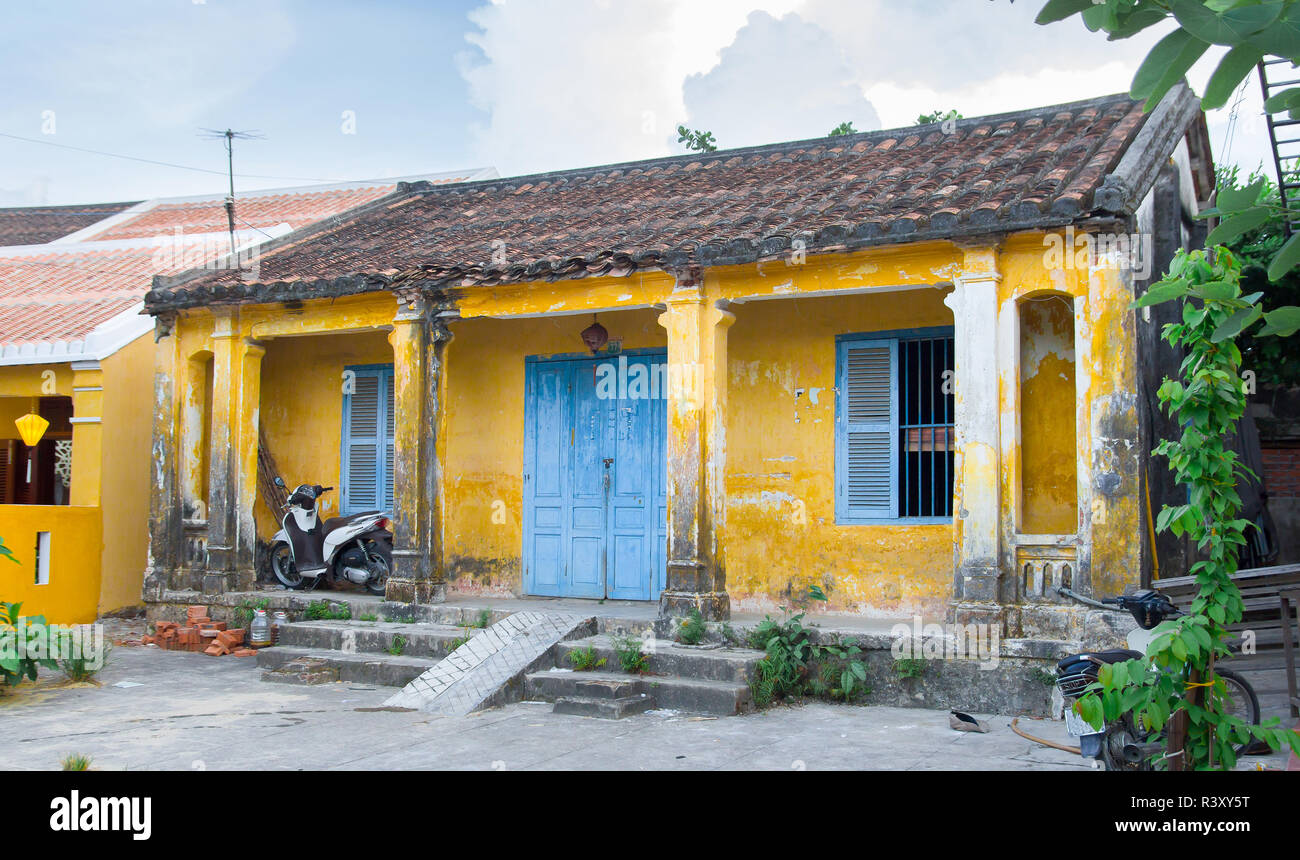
(160, 163)
(1230, 132)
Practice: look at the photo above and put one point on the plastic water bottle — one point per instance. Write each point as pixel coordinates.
(278, 623)
(259, 632)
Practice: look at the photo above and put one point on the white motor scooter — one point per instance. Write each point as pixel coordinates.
(356, 548)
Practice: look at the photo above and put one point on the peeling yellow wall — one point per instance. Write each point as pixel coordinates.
(485, 445)
(781, 531)
(1049, 495)
(302, 409)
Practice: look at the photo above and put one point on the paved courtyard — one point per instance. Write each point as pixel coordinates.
(176, 710)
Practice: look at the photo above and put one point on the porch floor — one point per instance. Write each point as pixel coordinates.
(636, 613)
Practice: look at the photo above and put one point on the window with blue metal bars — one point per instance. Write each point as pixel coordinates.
(894, 426)
(366, 483)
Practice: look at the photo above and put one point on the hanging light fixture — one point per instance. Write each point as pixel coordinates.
(31, 427)
(595, 336)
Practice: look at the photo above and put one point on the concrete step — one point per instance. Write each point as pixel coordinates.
(604, 708)
(691, 695)
(375, 637)
(608, 688)
(319, 665)
(705, 664)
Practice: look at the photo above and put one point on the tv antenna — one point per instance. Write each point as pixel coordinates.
(230, 136)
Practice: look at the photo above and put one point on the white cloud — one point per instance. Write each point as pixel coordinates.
(954, 44)
(585, 82)
(900, 104)
(779, 80)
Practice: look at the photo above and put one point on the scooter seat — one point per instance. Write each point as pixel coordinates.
(339, 522)
(1115, 655)
(1076, 662)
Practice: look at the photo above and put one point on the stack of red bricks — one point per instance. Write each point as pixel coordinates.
(200, 633)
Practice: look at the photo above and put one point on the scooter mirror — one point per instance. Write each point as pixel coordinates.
(279, 482)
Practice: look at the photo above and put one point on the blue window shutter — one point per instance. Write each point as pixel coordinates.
(367, 441)
(866, 474)
(390, 411)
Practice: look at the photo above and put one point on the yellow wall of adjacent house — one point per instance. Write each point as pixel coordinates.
(72, 594)
(104, 565)
(22, 386)
(11, 409)
(32, 380)
(127, 432)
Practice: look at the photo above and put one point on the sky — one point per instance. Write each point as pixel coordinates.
(345, 91)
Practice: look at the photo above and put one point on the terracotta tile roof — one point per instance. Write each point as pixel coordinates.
(64, 294)
(993, 174)
(53, 297)
(209, 216)
(36, 225)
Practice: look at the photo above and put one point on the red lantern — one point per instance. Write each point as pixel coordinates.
(595, 336)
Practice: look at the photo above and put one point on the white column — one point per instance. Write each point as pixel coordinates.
(977, 491)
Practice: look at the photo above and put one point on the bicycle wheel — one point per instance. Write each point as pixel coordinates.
(1242, 701)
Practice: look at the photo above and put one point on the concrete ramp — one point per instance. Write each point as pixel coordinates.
(479, 673)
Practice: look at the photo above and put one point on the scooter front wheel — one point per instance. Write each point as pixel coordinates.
(283, 567)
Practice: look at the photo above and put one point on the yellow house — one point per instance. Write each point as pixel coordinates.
(898, 365)
(76, 351)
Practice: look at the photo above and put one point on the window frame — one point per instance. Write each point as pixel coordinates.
(379, 371)
(843, 342)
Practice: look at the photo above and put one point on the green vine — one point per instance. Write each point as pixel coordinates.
(1174, 687)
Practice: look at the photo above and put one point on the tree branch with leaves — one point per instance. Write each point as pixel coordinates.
(1251, 30)
(1175, 682)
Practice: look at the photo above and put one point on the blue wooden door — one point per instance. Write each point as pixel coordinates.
(595, 481)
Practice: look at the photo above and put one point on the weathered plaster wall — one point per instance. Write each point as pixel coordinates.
(1049, 494)
(1106, 537)
(779, 473)
(485, 425)
(302, 409)
(781, 531)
